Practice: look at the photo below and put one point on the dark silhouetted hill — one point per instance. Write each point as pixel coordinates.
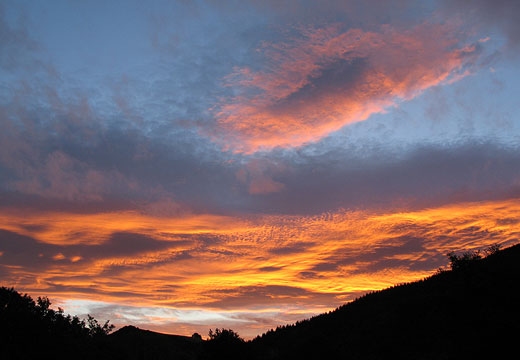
(131, 342)
(469, 312)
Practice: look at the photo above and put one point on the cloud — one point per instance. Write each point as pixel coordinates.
(25, 251)
(313, 260)
(274, 295)
(62, 147)
(281, 264)
(291, 249)
(184, 321)
(491, 14)
(52, 158)
(46, 163)
(257, 174)
(16, 45)
(378, 257)
(366, 178)
(62, 177)
(328, 77)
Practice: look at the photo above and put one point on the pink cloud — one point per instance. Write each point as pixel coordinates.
(264, 185)
(257, 174)
(328, 78)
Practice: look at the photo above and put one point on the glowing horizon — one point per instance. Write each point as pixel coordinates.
(288, 265)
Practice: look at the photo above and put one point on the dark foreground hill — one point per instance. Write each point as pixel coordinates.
(472, 311)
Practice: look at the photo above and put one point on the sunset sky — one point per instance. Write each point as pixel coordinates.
(186, 165)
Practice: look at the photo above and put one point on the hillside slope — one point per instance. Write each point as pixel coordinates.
(465, 313)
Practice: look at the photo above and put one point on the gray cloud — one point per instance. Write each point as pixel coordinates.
(494, 14)
(292, 249)
(16, 44)
(271, 294)
(423, 176)
(21, 250)
(59, 150)
(340, 77)
(114, 146)
(126, 170)
(352, 12)
(270, 268)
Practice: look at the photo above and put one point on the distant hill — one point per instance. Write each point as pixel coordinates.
(131, 342)
(472, 311)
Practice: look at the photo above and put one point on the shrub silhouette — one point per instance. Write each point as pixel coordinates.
(465, 259)
(96, 330)
(462, 261)
(224, 344)
(224, 335)
(493, 249)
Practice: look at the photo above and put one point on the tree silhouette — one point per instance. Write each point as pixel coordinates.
(462, 261)
(466, 258)
(224, 344)
(31, 329)
(224, 335)
(96, 330)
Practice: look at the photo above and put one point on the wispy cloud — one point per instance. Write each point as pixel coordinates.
(492, 15)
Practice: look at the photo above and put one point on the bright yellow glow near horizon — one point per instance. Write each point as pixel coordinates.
(253, 264)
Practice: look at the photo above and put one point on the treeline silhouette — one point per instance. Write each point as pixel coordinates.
(469, 310)
(31, 329)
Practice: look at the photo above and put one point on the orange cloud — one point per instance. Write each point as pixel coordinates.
(68, 228)
(255, 265)
(328, 78)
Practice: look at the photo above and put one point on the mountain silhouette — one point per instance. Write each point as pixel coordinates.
(469, 312)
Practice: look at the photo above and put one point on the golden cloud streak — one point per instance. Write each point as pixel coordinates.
(68, 229)
(268, 263)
